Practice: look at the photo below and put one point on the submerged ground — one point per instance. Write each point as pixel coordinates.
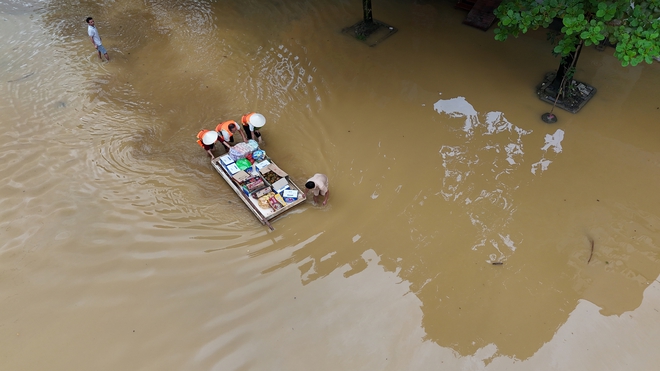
(121, 248)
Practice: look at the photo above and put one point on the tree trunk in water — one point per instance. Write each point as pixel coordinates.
(366, 8)
(567, 62)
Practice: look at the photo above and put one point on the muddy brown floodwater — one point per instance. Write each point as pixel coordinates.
(122, 249)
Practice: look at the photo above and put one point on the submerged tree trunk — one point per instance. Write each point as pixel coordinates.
(564, 91)
(366, 8)
(567, 63)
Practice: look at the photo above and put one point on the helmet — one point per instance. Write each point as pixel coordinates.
(257, 120)
(210, 137)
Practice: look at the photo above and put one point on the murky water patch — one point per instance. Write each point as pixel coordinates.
(492, 150)
(281, 75)
(118, 190)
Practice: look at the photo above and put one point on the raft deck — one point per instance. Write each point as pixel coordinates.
(222, 165)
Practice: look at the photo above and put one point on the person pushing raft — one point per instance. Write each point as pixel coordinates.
(207, 139)
(252, 122)
(224, 132)
(318, 185)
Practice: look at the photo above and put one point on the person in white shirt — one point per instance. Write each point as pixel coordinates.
(318, 184)
(96, 39)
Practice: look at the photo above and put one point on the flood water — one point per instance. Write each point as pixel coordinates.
(122, 248)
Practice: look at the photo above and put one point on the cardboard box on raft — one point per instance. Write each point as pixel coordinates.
(226, 160)
(290, 195)
(262, 164)
(264, 168)
(233, 169)
(240, 176)
(262, 192)
(274, 168)
(280, 185)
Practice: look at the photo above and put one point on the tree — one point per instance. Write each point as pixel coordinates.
(632, 26)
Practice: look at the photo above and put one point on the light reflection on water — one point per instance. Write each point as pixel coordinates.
(497, 157)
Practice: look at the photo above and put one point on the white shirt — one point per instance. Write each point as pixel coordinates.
(320, 183)
(225, 135)
(93, 33)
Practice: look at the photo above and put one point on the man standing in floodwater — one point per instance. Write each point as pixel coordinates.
(251, 124)
(96, 39)
(318, 184)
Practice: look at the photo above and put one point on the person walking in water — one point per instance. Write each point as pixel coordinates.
(207, 139)
(226, 130)
(318, 184)
(251, 124)
(96, 39)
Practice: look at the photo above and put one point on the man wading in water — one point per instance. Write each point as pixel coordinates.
(318, 185)
(96, 39)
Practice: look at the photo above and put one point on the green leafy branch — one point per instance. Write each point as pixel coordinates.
(634, 27)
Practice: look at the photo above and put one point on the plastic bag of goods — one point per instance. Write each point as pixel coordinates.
(253, 145)
(239, 151)
(274, 203)
(259, 155)
(264, 200)
(243, 164)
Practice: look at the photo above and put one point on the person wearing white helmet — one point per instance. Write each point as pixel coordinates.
(206, 139)
(252, 122)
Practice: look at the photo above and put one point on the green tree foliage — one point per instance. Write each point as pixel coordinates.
(633, 26)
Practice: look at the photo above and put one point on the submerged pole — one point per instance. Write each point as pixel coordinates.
(549, 117)
(366, 8)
